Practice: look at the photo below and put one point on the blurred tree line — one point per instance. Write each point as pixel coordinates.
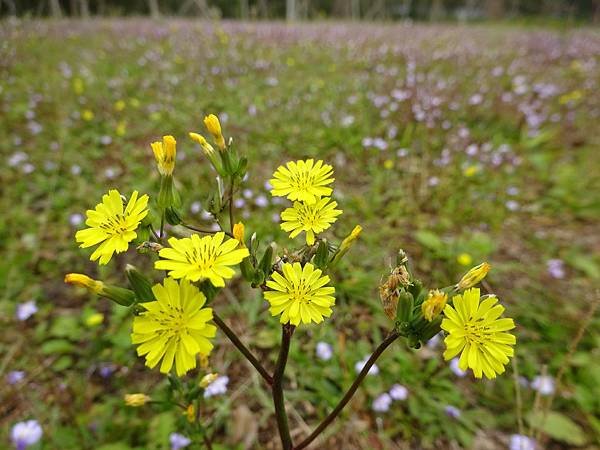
(587, 10)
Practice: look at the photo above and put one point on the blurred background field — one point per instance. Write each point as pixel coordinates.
(456, 142)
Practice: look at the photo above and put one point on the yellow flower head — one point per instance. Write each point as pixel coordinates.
(208, 379)
(165, 152)
(120, 105)
(174, 328)
(474, 329)
(474, 276)
(112, 225)
(302, 180)
(206, 147)
(238, 232)
(434, 304)
(87, 115)
(190, 413)
(212, 124)
(313, 218)
(94, 319)
(470, 171)
(197, 258)
(136, 399)
(79, 279)
(300, 294)
(464, 259)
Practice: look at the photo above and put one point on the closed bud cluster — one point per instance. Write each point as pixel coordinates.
(473, 276)
(208, 150)
(239, 232)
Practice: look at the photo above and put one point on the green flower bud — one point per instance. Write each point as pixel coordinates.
(139, 283)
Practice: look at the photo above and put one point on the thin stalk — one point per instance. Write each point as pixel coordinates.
(243, 349)
(231, 187)
(351, 391)
(277, 389)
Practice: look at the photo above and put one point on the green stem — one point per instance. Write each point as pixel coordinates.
(351, 391)
(231, 187)
(277, 389)
(243, 349)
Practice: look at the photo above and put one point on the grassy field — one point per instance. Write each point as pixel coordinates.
(458, 144)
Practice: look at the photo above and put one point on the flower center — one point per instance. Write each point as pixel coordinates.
(204, 258)
(300, 293)
(116, 224)
(476, 333)
(303, 180)
(174, 321)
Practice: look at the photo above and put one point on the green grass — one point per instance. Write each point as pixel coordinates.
(295, 92)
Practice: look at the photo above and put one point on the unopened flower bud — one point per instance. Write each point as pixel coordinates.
(347, 243)
(136, 399)
(214, 128)
(238, 233)
(165, 153)
(434, 304)
(79, 279)
(474, 276)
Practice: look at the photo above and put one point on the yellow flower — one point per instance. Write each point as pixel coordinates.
(174, 328)
(474, 329)
(136, 399)
(120, 105)
(78, 86)
(94, 319)
(312, 219)
(197, 258)
(79, 279)
(165, 152)
(87, 115)
(388, 164)
(121, 128)
(305, 181)
(474, 276)
(434, 304)
(238, 233)
(470, 171)
(190, 413)
(111, 225)
(207, 379)
(464, 259)
(300, 294)
(212, 124)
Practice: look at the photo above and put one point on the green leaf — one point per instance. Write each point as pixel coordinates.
(161, 426)
(57, 346)
(558, 427)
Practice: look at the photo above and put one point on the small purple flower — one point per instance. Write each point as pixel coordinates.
(195, 207)
(15, 376)
(26, 310)
(434, 341)
(455, 369)
(24, 434)
(398, 392)
(512, 205)
(374, 370)
(520, 442)
(261, 201)
(239, 203)
(382, 403)
(179, 441)
(556, 268)
(544, 384)
(217, 387)
(76, 219)
(452, 411)
(106, 370)
(324, 351)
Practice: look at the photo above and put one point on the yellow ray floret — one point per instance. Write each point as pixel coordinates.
(197, 258)
(313, 219)
(476, 331)
(112, 225)
(305, 181)
(300, 294)
(174, 328)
